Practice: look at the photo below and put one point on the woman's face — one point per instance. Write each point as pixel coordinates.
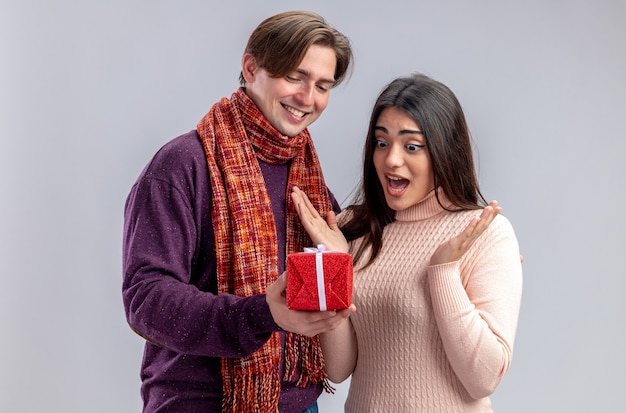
(401, 159)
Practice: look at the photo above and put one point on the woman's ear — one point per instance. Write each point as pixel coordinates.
(248, 67)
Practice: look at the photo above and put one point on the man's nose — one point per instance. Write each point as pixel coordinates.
(305, 95)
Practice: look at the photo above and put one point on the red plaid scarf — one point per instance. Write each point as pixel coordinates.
(234, 134)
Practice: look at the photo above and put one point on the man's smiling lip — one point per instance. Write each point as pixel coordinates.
(294, 111)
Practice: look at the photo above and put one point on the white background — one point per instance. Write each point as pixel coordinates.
(89, 90)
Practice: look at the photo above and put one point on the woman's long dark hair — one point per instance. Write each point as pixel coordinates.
(439, 114)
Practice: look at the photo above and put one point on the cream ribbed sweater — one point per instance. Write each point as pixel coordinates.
(440, 338)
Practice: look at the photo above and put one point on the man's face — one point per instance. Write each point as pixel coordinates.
(293, 102)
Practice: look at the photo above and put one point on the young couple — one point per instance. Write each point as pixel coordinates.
(211, 218)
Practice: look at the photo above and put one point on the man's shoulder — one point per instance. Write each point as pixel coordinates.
(183, 150)
(185, 144)
(182, 156)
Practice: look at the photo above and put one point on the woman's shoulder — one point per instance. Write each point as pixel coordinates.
(345, 215)
(502, 223)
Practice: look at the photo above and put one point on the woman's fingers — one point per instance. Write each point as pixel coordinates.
(457, 246)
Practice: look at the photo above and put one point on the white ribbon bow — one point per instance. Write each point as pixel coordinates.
(319, 269)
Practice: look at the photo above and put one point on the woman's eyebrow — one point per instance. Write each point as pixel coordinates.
(402, 132)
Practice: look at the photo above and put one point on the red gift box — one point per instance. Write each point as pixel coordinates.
(319, 280)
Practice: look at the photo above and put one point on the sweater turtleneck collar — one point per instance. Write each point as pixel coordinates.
(427, 208)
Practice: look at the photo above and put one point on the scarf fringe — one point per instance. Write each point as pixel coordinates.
(252, 393)
(306, 350)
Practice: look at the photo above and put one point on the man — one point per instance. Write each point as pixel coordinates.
(208, 225)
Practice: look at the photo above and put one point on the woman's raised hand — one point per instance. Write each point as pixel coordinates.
(321, 231)
(453, 249)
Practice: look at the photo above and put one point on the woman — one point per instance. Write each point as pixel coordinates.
(437, 298)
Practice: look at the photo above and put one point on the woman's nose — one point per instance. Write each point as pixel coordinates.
(394, 157)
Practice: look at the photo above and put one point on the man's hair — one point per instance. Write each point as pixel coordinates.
(280, 42)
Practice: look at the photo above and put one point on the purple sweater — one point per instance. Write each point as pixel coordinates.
(170, 285)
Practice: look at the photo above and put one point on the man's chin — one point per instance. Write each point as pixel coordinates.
(290, 133)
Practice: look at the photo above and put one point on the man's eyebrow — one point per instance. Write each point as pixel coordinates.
(308, 74)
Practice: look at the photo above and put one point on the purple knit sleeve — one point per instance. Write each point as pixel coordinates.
(169, 281)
